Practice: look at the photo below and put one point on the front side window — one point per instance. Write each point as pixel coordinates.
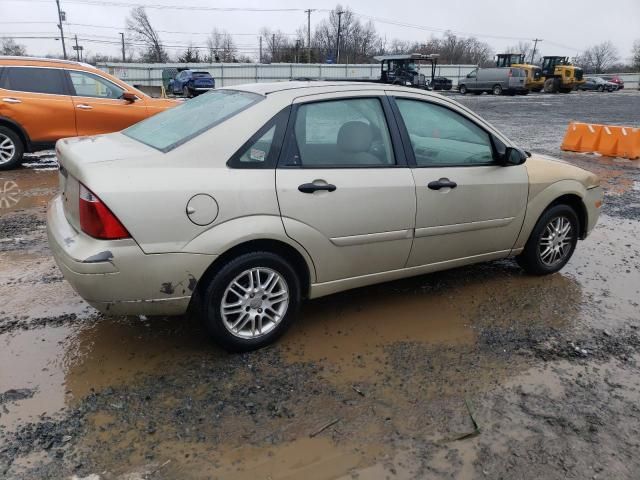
(442, 137)
(34, 80)
(342, 133)
(90, 85)
(173, 127)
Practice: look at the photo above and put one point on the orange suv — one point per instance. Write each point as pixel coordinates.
(43, 100)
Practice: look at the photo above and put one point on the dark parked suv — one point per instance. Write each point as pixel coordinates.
(189, 83)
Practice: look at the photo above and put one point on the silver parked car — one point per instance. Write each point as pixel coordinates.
(495, 80)
(246, 200)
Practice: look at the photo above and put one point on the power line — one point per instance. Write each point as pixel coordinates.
(113, 27)
(109, 3)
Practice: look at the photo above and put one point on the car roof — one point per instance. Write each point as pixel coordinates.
(41, 62)
(299, 88)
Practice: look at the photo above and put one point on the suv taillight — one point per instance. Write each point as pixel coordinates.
(97, 220)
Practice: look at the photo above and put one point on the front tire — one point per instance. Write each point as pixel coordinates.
(186, 93)
(552, 241)
(463, 89)
(11, 149)
(251, 301)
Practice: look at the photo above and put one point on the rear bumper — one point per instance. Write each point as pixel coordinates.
(117, 277)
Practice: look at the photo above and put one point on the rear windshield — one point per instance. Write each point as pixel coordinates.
(171, 128)
(201, 74)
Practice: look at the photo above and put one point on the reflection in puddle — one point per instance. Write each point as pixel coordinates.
(32, 189)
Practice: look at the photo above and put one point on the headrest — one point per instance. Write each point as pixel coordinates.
(355, 137)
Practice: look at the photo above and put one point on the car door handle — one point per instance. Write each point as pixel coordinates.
(314, 187)
(84, 106)
(11, 100)
(442, 183)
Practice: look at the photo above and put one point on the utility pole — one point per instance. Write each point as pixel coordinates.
(340, 13)
(260, 61)
(64, 48)
(124, 59)
(77, 49)
(535, 44)
(308, 12)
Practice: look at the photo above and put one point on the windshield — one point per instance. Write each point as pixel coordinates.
(171, 128)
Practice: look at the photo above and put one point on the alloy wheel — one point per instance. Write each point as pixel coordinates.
(556, 241)
(7, 149)
(254, 303)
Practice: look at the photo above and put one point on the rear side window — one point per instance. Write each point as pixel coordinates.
(171, 128)
(263, 148)
(342, 133)
(89, 85)
(34, 80)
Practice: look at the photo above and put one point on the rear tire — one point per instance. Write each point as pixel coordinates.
(263, 308)
(552, 241)
(496, 90)
(11, 148)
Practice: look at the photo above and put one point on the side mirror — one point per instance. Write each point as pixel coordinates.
(129, 97)
(514, 156)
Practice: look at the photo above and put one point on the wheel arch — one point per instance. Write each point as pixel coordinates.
(576, 202)
(569, 192)
(278, 247)
(16, 127)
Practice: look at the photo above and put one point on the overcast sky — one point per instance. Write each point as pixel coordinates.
(565, 27)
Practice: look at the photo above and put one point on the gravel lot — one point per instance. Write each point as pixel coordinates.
(478, 372)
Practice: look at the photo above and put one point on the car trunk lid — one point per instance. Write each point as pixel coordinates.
(76, 154)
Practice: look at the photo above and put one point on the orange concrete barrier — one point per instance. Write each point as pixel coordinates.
(581, 137)
(609, 140)
(629, 143)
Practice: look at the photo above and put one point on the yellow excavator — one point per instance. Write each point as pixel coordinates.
(560, 75)
(557, 74)
(534, 82)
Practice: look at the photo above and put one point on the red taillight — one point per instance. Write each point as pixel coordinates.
(97, 220)
(510, 73)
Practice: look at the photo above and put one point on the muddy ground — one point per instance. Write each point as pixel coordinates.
(478, 372)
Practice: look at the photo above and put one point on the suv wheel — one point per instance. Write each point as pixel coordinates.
(463, 89)
(11, 149)
(552, 241)
(186, 93)
(497, 90)
(251, 301)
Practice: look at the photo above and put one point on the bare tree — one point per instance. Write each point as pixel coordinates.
(10, 47)
(635, 55)
(358, 41)
(598, 58)
(221, 47)
(527, 49)
(139, 28)
(278, 47)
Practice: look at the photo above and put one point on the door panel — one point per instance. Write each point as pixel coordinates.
(364, 226)
(344, 194)
(36, 99)
(482, 214)
(467, 204)
(98, 107)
